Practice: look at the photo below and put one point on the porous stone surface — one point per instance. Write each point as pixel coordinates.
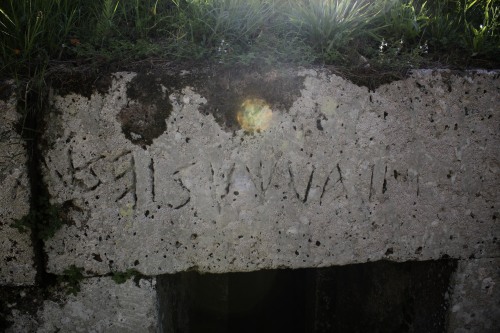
(475, 302)
(344, 175)
(101, 305)
(16, 252)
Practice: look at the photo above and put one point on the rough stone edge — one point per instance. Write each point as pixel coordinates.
(17, 257)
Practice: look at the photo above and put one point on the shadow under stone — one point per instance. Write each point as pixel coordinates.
(372, 297)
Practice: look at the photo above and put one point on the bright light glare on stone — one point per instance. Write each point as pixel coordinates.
(254, 115)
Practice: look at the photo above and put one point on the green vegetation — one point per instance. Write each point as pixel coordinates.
(122, 277)
(71, 279)
(43, 221)
(330, 26)
(39, 34)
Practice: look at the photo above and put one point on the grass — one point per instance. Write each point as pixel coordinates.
(37, 33)
(482, 26)
(358, 37)
(122, 277)
(71, 279)
(330, 26)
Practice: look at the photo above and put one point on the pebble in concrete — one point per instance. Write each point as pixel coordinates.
(345, 175)
(16, 252)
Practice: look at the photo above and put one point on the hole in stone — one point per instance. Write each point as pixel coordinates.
(373, 297)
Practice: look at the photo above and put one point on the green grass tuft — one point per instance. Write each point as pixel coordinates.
(38, 35)
(122, 277)
(71, 278)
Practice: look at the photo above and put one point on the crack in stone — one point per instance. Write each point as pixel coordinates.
(324, 187)
(259, 175)
(292, 179)
(181, 184)
(184, 168)
(309, 183)
(308, 188)
(134, 182)
(122, 195)
(152, 178)
(93, 188)
(213, 191)
(418, 185)
(371, 182)
(71, 165)
(384, 185)
(341, 179)
(183, 204)
(263, 189)
(87, 164)
(124, 153)
(229, 176)
(121, 175)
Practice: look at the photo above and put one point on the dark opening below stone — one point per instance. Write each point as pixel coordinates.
(372, 297)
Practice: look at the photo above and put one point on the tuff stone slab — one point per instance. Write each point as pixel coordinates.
(475, 302)
(16, 252)
(345, 175)
(102, 305)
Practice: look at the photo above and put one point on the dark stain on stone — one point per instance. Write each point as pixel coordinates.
(143, 123)
(147, 88)
(84, 83)
(144, 118)
(318, 124)
(227, 88)
(384, 185)
(11, 295)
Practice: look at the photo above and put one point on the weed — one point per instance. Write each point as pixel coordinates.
(71, 278)
(482, 27)
(105, 12)
(122, 277)
(329, 25)
(405, 20)
(33, 31)
(36, 33)
(44, 221)
(443, 25)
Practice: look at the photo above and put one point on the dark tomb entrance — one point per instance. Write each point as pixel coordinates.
(372, 297)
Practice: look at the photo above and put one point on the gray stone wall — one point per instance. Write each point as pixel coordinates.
(345, 175)
(475, 299)
(164, 173)
(101, 305)
(16, 252)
